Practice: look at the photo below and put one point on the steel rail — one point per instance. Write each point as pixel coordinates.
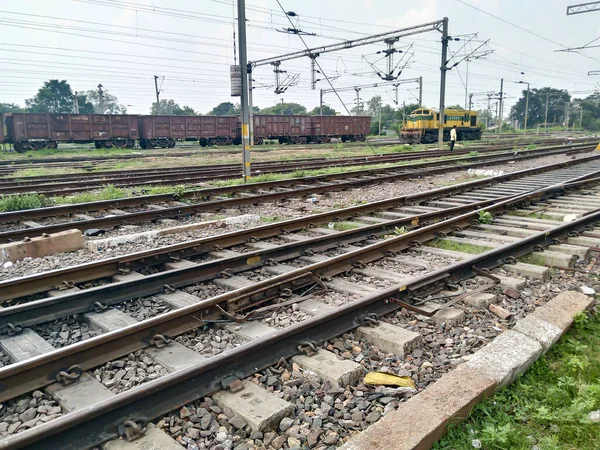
(93, 352)
(262, 166)
(215, 191)
(176, 211)
(27, 285)
(63, 188)
(100, 422)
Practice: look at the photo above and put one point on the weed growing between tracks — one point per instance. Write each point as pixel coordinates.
(548, 407)
(459, 247)
(22, 202)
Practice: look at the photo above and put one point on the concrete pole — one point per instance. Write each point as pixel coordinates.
(546, 114)
(443, 70)
(380, 120)
(470, 101)
(580, 116)
(467, 83)
(321, 102)
(357, 101)
(420, 92)
(500, 107)
(250, 103)
(526, 107)
(241, 6)
(156, 91)
(76, 103)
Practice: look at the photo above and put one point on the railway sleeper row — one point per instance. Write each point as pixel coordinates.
(176, 357)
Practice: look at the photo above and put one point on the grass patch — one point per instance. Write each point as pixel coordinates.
(458, 246)
(462, 180)
(108, 193)
(548, 406)
(343, 226)
(22, 202)
(270, 219)
(42, 171)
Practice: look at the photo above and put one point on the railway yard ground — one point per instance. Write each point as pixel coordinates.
(152, 300)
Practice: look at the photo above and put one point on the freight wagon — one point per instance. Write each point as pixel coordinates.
(37, 131)
(163, 131)
(305, 129)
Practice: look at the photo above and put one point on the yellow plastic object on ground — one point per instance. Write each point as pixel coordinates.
(598, 148)
(388, 379)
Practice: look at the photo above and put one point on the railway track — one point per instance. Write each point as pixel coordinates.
(18, 225)
(235, 278)
(64, 184)
(90, 163)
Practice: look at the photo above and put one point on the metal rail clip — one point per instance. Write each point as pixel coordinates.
(69, 376)
(131, 430)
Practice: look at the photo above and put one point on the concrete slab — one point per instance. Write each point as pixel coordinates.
(419, 422)
(261, 410)
(61, 242)
(528, 270)
(250, 330)
(294, 237)
(279, 269)
(481, 300)
(371, 219)
(175, 356)
(511, 282)
(131, 276)
(314, 259)
(314, 307)
(178, 299)
(412, 262)
(260, 245)
(183, 264)
(476, 234)
(540, 330)
(584, 241)
(153, 439)
(561, 310)
(232, 283)
(382, 274)
(509, 355)
(577, 250)
(84, 392)
(508, 231)
(555, 259)
(442, 252)
(390, 338)
(24, 345)
(348, 287)
(32, 224)
(327, 365)
(60, 292)
(109, 320)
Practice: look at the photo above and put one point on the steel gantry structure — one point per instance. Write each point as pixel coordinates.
(357, 88)
(314, 53)
(583, 8)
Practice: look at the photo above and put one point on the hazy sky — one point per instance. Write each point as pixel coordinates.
(122, 44)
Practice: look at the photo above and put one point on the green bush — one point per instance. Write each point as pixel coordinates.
(21, 202)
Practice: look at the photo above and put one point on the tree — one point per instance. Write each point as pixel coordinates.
(557, 101)
(165, 107)
(110, 104)
(53, 97)
(84, 105)
(285, 108)
(10, 107)
(591, 112)
(224, 109)
(327, 111)
(185, 111)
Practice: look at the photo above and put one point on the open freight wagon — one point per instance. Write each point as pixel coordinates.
(38, 131)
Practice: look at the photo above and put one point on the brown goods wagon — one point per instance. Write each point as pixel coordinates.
(2, 133)
(285, 128)
(349, 128)
(163, 131)
(36, 131)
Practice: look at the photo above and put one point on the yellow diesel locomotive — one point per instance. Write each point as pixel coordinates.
(421, 126)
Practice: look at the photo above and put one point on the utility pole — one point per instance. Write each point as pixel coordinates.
(241, 4)
(403, 113)
(526, 104)
(500, 106)
(357, 100)
(546, 113)
(282, 106)
(470, 101)
(420, 92)
(489, 112)
(467, 83)
(443, 70)
(380, 105)
(250, 106)
(580, 116)
(157, 94)
(100, 99)
(321, 102)
(76, 103)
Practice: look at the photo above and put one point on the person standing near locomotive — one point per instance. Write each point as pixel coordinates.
(452, 137)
